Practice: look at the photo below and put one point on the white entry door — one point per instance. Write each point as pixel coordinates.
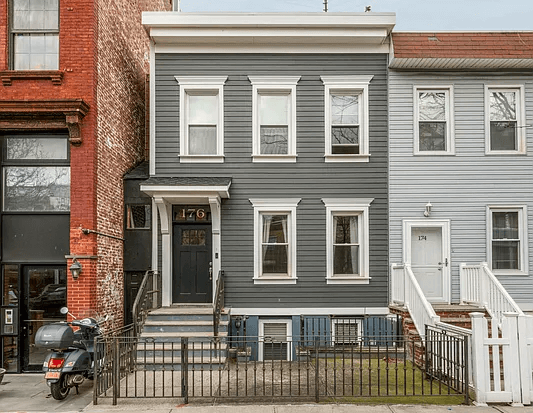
(428, 254)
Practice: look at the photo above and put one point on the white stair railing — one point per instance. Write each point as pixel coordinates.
(406, 291)
(480, 286)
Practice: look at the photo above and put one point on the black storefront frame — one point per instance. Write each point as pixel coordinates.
(35, 260)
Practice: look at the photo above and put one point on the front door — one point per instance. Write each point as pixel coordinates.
(428, 256)
(45, 292)
(192, 263)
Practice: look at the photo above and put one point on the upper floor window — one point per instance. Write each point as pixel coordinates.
(507, 238)
(35, 34)
(201, 118)
(434, 121)
(274, 118)
(346, 118)
(504, 115)
(36, 173)
(275, 240)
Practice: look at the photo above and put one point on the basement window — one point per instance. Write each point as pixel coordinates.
(346, 331)
(275, 340)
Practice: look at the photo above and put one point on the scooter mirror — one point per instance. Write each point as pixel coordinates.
(64, 310)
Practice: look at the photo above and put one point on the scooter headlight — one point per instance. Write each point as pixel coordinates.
(55, 363)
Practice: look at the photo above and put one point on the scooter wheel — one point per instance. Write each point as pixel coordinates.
(59, 389)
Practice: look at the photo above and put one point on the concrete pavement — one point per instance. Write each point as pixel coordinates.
(29, 393)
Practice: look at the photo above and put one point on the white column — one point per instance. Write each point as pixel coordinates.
(214, 203)
(165, 214)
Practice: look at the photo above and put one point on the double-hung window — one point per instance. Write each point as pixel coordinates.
(201, 118)
(434, 121)
(347, 255)
(35, 34)
(275, 240)
(346, 118)
(504, 115)
(507, 239)
(274, 118)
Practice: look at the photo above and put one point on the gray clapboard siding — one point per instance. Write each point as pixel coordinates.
(462, 185)
(310, 178)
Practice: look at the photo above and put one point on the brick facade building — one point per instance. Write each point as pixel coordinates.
(72, 123)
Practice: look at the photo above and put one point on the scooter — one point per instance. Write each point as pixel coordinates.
(71, 360)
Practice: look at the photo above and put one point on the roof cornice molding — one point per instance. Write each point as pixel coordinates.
(273, 29)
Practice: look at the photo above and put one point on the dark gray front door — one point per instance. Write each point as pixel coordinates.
(192, 256)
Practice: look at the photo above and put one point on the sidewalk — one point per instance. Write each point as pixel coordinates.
(29, 393)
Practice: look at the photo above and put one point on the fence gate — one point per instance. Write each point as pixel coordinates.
(498, 354)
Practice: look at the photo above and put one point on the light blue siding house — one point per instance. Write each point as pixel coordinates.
(461, 163)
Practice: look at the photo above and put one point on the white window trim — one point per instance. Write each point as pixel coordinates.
(283, 84)
(284, 205)
(351, 320)
(198, 84)
(450, 119)
(287, 322)
(520, 118)
(523, 237)
(357, 84)
(348, 206)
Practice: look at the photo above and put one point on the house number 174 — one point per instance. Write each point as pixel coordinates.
(422, 238)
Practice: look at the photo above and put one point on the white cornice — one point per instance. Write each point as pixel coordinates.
(451, 63)
(273, 29)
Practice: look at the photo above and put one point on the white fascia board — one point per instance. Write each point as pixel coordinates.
(170, 192)
(326, 48)
(348, 311)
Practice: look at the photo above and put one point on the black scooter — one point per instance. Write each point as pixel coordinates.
(71, 360)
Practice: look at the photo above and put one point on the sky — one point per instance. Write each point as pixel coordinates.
(430, 15)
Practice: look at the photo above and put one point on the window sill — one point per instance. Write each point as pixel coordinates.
(348, 280)
(509, 272)
(274, 280)
(201, 158)
(347, 158)
(56, 76)
(274, 158)
(434, 153)
(504, 153)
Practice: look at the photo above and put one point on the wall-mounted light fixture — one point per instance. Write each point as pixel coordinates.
(75, 268)
(428, 209)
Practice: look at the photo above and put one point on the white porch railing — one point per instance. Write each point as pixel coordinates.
(406, 291)
(480, 286)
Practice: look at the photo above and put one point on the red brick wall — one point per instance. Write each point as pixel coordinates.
(122, 62)
(102, 57)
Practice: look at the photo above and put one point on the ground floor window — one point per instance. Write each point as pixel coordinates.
(507, 237)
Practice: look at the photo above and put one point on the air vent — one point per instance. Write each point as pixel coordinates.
(346, 332)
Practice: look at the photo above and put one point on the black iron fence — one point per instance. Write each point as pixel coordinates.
(260, 368)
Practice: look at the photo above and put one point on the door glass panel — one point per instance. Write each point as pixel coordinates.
(10, 352)
(10, 294)
(193, 237)
(46, 294)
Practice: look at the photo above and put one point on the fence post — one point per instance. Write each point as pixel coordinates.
(511, 356)
(525, 330)
(466, 373)
(116, 371)
(96, 361)
(317, 393)
(185, 369)
(480, 359)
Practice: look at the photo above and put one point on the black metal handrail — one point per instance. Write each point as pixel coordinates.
(219, 303)
(144, 301)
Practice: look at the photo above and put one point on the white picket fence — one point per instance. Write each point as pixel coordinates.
(503, 359)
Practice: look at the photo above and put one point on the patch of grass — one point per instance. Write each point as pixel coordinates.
(381, 381)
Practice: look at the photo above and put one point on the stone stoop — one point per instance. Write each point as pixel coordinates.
(159, 345)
